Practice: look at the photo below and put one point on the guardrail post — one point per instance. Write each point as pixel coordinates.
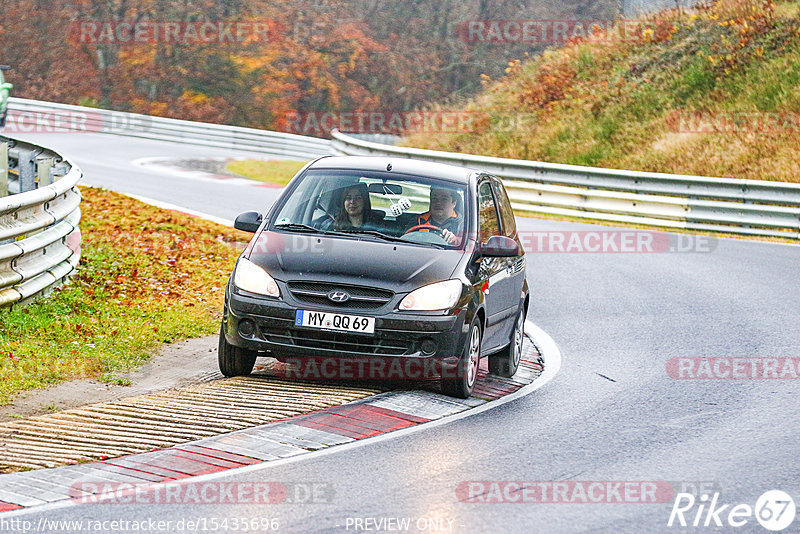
(44, 171)
(59, 171)
(27, 170)
(3, 170)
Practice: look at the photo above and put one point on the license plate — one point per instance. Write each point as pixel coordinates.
(335, 321)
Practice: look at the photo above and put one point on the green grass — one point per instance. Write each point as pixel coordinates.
(277, 172)
(112, 378)
(147, 276)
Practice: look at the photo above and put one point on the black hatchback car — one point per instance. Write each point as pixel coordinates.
(412, 264)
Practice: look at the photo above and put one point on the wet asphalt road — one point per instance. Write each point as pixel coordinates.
(613, 413)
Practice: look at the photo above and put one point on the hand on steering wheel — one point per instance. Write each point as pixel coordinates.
(444, 233)
(421, 227)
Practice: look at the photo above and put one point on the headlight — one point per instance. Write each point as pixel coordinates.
(250, 277)
(438, 296)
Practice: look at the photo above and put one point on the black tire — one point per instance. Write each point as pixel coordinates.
(234, 361)
(506, 362)
(466, 374)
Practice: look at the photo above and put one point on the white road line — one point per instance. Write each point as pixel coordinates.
(552, 364)
(168, 166)
(175, 207)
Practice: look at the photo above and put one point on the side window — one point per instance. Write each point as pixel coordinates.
(488, 212)
(506, 213)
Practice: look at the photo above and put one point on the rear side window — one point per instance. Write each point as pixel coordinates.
(488, 212)
(506, 212)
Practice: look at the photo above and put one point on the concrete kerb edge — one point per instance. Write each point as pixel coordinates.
(548, 350)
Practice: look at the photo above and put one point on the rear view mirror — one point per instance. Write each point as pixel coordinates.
(385, 189)
(248, 222)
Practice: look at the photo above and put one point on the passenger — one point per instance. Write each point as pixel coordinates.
(355, 211)
(442, 214)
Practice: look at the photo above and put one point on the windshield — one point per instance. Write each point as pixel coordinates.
(385, 205)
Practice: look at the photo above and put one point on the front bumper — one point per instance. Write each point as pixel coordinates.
(263, 324)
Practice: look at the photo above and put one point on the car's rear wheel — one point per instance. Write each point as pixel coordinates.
(466, 372)
(506, 362)
(234, 361)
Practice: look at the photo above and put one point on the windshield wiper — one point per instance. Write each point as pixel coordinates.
(387, 237)
(298, 227)
(376, 234)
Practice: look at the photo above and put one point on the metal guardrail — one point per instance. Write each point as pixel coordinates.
(633, 8)
(39, 215)
(29, 116)
(750, 207)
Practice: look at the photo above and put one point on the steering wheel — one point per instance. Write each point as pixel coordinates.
(420, 227)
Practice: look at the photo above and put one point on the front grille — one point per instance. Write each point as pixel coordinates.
(338, 341)
(361, 297)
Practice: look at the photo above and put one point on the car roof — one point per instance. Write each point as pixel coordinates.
(453, 173)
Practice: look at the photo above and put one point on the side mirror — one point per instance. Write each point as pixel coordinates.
(499, 246)
(248, 222)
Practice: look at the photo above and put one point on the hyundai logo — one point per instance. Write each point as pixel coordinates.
(339, 296)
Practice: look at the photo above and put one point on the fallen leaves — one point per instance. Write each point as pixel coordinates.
(147, 276)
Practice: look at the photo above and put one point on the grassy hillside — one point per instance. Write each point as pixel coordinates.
(711, 92)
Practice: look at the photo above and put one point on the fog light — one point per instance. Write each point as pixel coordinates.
(428, 346)
(246, 328)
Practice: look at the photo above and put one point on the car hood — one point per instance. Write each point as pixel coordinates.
(362, 261)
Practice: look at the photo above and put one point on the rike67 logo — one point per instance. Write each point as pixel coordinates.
(774, 510)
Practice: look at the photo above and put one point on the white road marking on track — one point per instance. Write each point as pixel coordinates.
(552, 364)
(166, 165)
(174, 207)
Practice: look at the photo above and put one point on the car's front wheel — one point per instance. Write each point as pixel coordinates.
(506, 362)
(466, 372)
(234, 361)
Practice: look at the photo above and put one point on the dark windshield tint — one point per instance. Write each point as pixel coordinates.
(393, 204)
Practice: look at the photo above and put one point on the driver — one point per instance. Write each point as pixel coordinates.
(442, 214)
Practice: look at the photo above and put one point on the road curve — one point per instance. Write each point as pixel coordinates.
(612, 414)
(108, 161)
